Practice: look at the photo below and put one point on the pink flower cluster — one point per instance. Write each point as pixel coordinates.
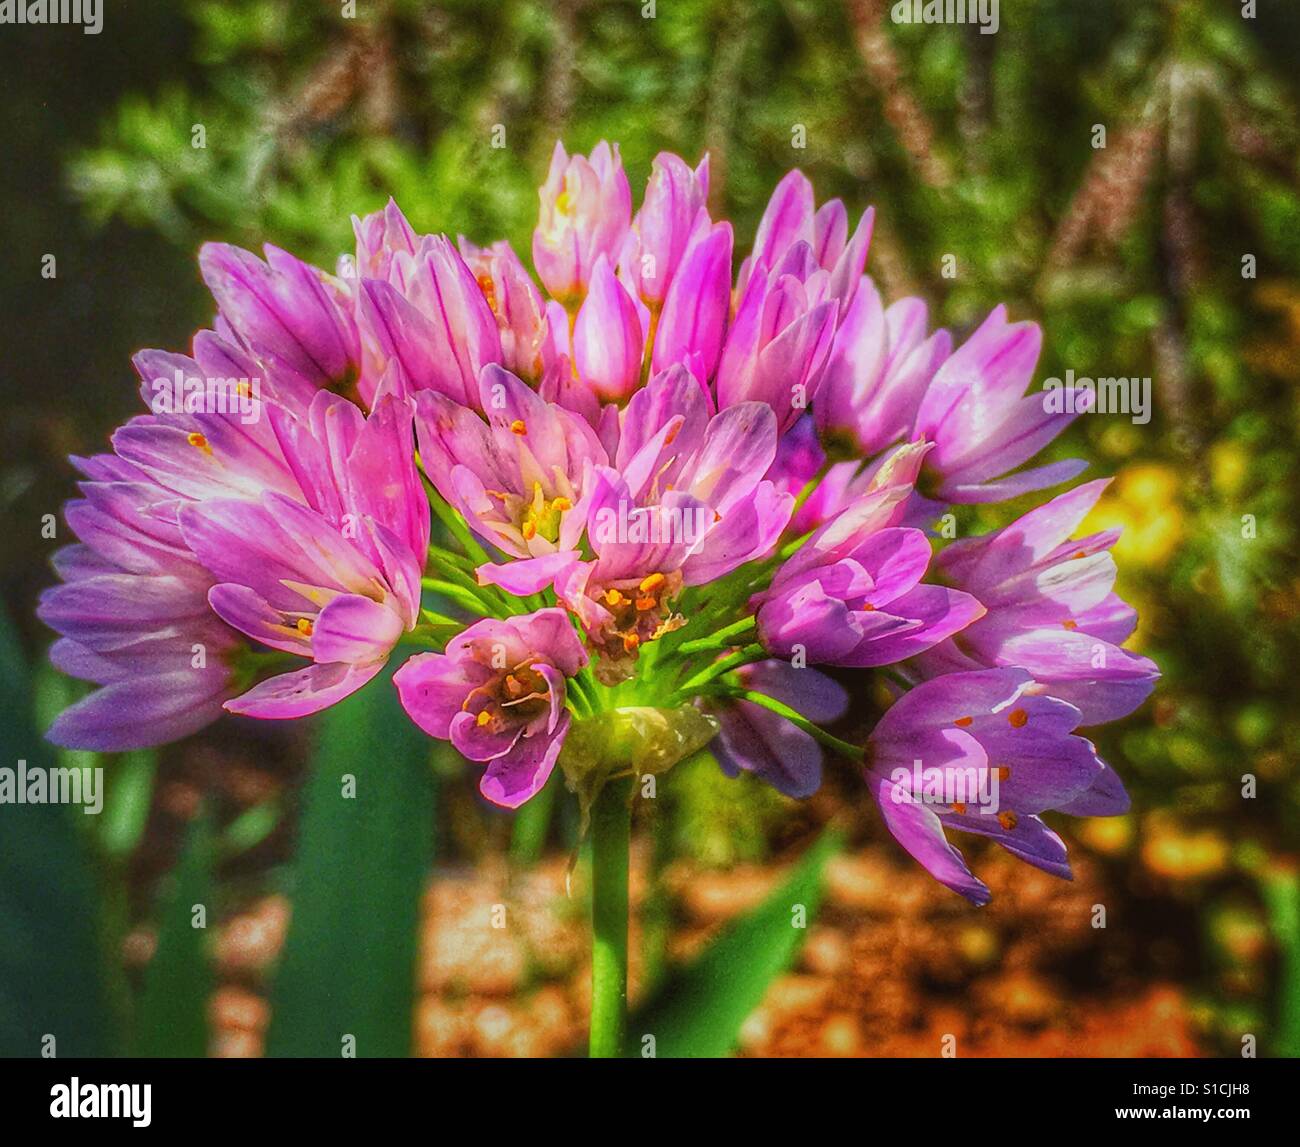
(655, 484)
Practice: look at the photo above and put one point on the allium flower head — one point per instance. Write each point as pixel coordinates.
(617, 505)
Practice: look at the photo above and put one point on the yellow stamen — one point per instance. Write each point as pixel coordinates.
(305, 626)
(652, 582)
(518, 427)
(483, 718)
(644, 603)
(630, 642)
(529, 530)
(1070, 623)
(613, 597)
(195, 439)
(1007, 820)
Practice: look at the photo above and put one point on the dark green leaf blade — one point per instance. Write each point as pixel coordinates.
(348, 968)
(171, 1020)
(697, 1012)
(51, 976)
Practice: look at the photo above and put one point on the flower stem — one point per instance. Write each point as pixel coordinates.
(853, 752)
(717, 640)
(745, 656)
(610, 832)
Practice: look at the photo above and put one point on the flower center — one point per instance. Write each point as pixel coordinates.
(640, 611)
(515, 697)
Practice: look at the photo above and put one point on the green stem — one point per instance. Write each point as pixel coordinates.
(719, 639)
(710, 672)
(610, 833)
(461, 595)
(853, 752)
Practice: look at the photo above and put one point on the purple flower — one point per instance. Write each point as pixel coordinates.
(694, 318)
(669, 215)
(134, 618)
(336, 579)
(778, 345)
(386, 245)
(498, 695)
(982, 422)
(527, 348)
(684, 504)
(879, 367)
(439, 327)
(1051, 607)
(985, 752)
(791, 218)
(608, 337)
(756, 740)
(586, 212)
(519, 476)
(292, 316)
(851, 595)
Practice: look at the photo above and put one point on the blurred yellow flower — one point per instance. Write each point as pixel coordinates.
(1229, 467)
(1143, 503)
(1173, 851)
(1108, 835)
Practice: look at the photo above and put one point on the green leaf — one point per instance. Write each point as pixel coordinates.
(51, 978)
(364, 852)
(697, 1012)
(171, 1021)
(126, 808)
(1281, 889)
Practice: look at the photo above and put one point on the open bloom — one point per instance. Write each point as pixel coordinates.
(1051, 607)
(982, 422)
(684, 504)
(336, 579)
(985, 752)
(518, 476)
(497, 693)
(852, 594)
(622, 442)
